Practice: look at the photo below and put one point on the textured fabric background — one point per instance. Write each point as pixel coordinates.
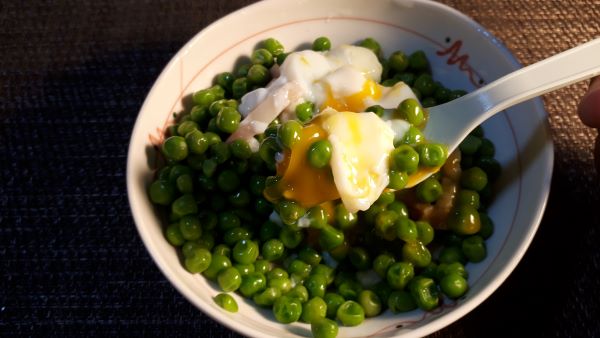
(73, 75)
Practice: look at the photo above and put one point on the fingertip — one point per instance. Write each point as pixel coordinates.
(589, 107)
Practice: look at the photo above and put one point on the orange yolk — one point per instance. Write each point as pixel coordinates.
(354, 102)
(300, 181)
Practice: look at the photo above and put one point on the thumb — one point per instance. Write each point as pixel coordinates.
(589, 106)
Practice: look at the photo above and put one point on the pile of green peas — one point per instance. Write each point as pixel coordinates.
(218, 217)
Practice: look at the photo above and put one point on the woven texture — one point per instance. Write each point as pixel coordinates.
(73, 75)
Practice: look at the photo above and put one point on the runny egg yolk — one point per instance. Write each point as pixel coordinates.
(300, 181)
(354, 102)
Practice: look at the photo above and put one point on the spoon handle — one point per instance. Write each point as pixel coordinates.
(465, 113)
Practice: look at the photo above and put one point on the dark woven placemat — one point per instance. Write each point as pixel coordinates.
(73, 75)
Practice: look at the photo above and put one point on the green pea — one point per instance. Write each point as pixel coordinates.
(273, 46)
(487, 148)
(269, 230)
(290, 211)
(405, 158)
(442, 94)
(185, 184)
(487, 226)
(474, 178)
(451, 254)
(398, 61)
(259, 75)
(174, 236)
(401, 301)
(406, 229)
(454, 285)
(319, 153)
(263, 57)
(205, 97)
(411, 111)
(350, 289)
(281, 58)
(464, 220)
(227, 302)
(228, 220)
(467, 197)
(287, 309)
(370, 302)
(317, 217)
(377, 109)
(240, 149)
(321, 44)
(267, 297)
(212, 138)
(373, 45)
(416, 253)
(359, 257)
(384, 224)
(236, 234)
(432, 154)
(389, 82)
(470, 145)
(253, 283)
(199, 114)
(184, 205)
(217, 264)
(229, 279)
(418, 61)
(324, 328)
(162, 192)
(387, 196)
(333, 301)
(188, 248)
(305, 111)
(198, 260)
(398, 207)
(262, 266)
(425, 232)
(406, 77)
(309, 256)
(428, 102)
(225, 80)
(340, 252)
(490, 166)
(429, 190)
(273, 249)
(413, 136)
(382, 262)
(425, 292)
(399, 274)
(444, 269)
(245, 251)
(277, 272)
(291, 237)
(283, 284)
(268, 149)
(196, 142)
(314, 309)
(239, 87)
(299, 292)
(316, 284)
(222, 249)
(190, 227)
(290, 133)
(425, 85)
(186, 127)
(325, 271)
(299, 268)
(228, 119)
(344, 218)
(330, 237)
(228, 180)
(474, 248)
(383, 291)
(398, 179)
(351, 313)
(175, 148)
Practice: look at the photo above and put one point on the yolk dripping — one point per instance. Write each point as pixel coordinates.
(300, 181)
(354, 102)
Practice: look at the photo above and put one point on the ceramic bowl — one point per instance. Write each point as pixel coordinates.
(462, 54)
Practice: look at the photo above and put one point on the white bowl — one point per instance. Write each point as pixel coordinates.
(462, 54)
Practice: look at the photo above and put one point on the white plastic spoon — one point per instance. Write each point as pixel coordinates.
(451, 122)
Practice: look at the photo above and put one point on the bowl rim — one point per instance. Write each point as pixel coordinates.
(430, 327)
